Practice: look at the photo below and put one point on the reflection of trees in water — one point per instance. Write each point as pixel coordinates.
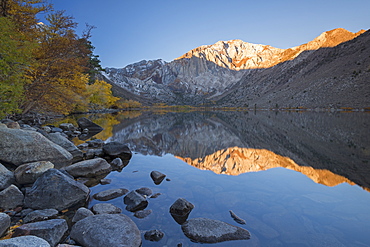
(335, 142)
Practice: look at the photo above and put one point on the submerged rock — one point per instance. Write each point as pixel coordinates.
(105, 208)
(204, 230)
(109, 194)
(153, 235)
(117, 150)
(106, 230)
(237, 218)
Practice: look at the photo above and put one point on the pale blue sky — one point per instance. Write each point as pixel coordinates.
(129, 31)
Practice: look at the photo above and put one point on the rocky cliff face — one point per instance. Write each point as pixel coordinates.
(217, 72)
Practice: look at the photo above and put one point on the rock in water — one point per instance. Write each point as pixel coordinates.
(180, 210)
(117, 150)
(106, 230)
(20, 146)
(107, 195)
(24, 241)
(204, 230)
(135, 201)
(54, 189)
(84, 123)
(50, 230)
(105, 208)
(153, 235)
(157, 177)
(237, 218)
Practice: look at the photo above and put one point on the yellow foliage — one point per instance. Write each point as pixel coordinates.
(100, 95)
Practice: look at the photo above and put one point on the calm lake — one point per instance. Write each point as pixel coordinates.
(297, 179)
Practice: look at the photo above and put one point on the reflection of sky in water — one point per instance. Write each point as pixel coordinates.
(282, 207)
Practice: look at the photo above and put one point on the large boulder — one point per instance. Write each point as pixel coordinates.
(89, 168)
(66, 144)
(54, 189)
(28, 173)
(85, 123)
(50, 230)
(11, 197)
(20, 146)
(6, 177)
(204, 230)
(24, 241)
(106, 230)
(4, 223)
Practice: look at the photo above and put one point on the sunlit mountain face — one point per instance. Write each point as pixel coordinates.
(328, 148)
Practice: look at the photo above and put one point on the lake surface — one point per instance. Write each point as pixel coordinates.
(297, 179)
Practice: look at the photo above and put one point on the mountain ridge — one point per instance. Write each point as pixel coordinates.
(209, 73)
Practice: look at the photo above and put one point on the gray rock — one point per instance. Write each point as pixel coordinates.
(24, 241)
(237, 218)
(13, 125)
(92, 153)
(20, 146)
(50, 230)
(105, 208)
(105, 181)
(40, 215)
(157, 177)
(11, 197)
(4, 223)
(180, 210)
(81, 213)
(89, 168)
(97, 143)
(106, 230)
(3, 125)
(153, 235)
(28, 173)
(135, 201)
(117, 150)
(107, 195)
(204, 230)
(84, 123)
(67, 127)
(6, 177)
(117, 164)
(67, 145)
(144, 191)
(141, 214)
(54, 189)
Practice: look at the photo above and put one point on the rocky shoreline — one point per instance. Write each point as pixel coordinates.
(44, 192)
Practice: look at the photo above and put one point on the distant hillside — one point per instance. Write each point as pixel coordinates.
(237, 73)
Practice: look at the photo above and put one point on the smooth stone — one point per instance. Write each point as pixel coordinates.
(85, 123)
(107, 195)
(204, 230)
(81, 213)
(117, 150)
(6, 177)
(153, 235)
(40, 215)
(24, 241)
(117, 164)
(20, 146)
(135, 201)
(28, 173)
(4, 223)
(105, 208)
(141, 214)
(106, 230)
(50, 230)
(89, 168)
(54, 189)
(157, 177)
(11, 197)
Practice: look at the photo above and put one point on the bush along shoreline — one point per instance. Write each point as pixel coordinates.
(44, 192)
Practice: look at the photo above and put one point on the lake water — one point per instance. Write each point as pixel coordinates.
(297, 179)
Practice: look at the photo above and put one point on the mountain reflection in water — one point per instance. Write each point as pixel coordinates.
(329, 148)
